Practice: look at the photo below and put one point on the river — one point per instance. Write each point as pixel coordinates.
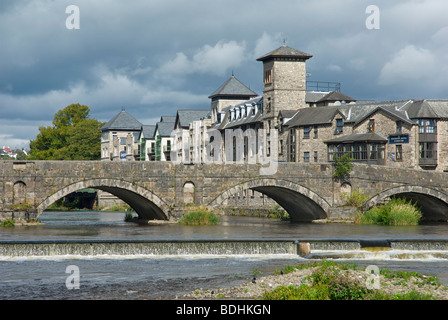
(166, 277)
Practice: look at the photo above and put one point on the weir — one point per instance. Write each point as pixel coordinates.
(156, 248)
(211, 247)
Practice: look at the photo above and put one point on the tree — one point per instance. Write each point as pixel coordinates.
(73, 136)
(343, 166)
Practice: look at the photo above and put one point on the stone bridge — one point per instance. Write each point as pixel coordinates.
(162, 190)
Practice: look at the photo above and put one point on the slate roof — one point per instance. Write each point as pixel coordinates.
(184, 117)
(351, 113)
(322, 96)
(226, 124)
(164, 128)
(233, 87)
(122, 121)
(313, 116)
(432, 109)
(147, 131)
(359, 137)
(167, 119)
(336, 96)
(285, 52)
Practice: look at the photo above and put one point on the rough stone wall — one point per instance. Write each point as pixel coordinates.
(315, 143)
(442, 142)
(386, 126)
(163, 182)
(287, 89)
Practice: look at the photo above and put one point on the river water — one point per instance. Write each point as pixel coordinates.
(166, 277)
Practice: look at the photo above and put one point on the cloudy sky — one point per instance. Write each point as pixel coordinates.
(156, 56)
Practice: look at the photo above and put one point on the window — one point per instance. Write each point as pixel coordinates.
(315, 132)
(268, 107)
(372, 125)
(315, 156)
(306, 132)
(427, 125)
(399, 152)
(427, 150)
(399, 126)
(268, 77)
(306, 157)
(292, 145)
(339, 126)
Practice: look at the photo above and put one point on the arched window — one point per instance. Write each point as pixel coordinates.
(19, 192)
(189, 190)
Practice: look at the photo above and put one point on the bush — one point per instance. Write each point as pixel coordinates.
(342, 288)
(355, 199)
(304, 292)
(7, 223)
(199, 217)
(397, 212)
(343, 165)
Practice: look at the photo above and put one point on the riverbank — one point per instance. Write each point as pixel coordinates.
(312, 278)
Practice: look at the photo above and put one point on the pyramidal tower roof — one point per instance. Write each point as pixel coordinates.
(285, 52)
(122, 121)
(233, 87)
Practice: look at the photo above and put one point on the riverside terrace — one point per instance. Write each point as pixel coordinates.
(156, 190)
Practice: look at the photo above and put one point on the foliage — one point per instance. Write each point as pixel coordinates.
(303, 292)
(413, 295)
(355, 199)
(278, 213)
(343, 165)
(328, 281)
(129, 217)
(20, 207)
(199, 217)
(7, 223)
(405, 276)
(343, 288)
(397, 212)
(123, 207)
(73, 136)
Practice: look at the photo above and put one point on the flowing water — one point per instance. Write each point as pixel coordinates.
(150, 276)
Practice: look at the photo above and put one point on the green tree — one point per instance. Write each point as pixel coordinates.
(73, 136)
(343, 166)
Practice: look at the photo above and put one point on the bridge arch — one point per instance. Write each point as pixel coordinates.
(433, 203)
(301, 203)
(145, 203)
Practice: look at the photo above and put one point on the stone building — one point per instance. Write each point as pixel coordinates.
(186, 126)
(312, 125)
(392, 133)
(119, 138)
(147, 143)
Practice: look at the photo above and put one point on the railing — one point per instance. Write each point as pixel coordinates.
(323, 86)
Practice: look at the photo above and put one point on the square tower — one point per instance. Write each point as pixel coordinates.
(284, 83)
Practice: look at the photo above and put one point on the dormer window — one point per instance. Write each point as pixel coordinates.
(372, 125)
(399, 126)
(339, 126)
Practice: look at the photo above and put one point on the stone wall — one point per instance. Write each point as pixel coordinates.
(156, 189)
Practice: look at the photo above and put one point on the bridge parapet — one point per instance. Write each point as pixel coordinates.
(156, 189)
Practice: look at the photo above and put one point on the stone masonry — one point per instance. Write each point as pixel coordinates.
(156, 190)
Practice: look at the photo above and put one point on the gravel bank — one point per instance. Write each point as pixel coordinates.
(254, 289)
